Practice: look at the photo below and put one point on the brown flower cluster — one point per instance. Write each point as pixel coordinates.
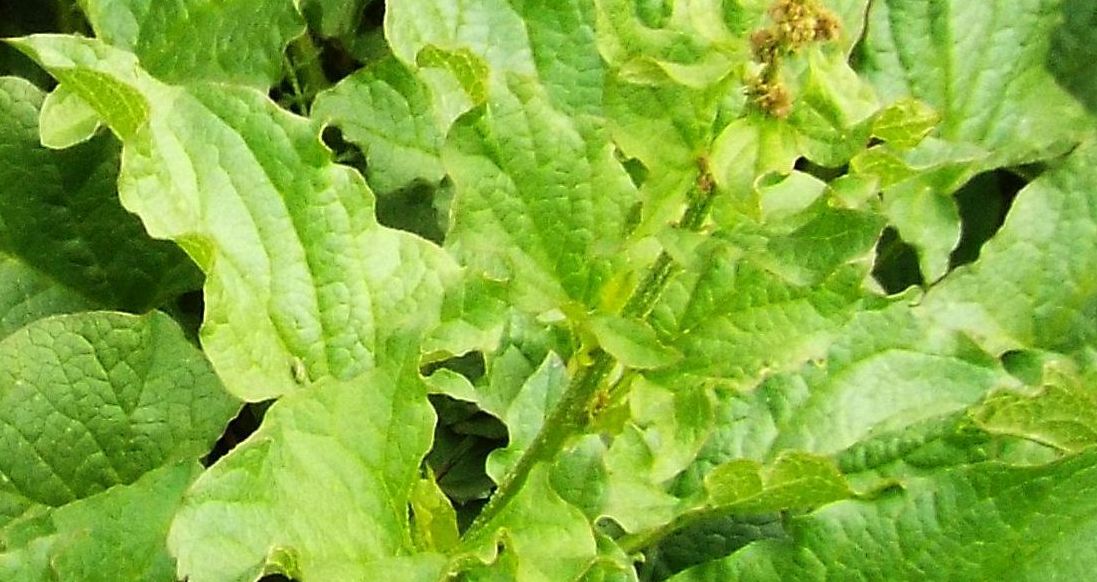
(796, 23)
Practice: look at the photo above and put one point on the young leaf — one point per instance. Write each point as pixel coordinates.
(381, 108)
(1063, 414)
(66, 120)
(632, 342)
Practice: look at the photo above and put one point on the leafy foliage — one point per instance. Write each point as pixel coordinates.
(547, 290)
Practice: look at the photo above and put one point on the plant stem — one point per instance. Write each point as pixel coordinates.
(572, 414)
(306, 73)
(566, 418)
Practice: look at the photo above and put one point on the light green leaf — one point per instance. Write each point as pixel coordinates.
(434, 522)
(887, 370)
(927, 219)
(833, 110)
(692, 46)
(468, 69)
(118, 534)
(320, 491)
(905, 122)
(297, 266)
(98, 399)
(551, 225)
(1032, 286)
(982, 522)
(66, 120)
(666, 430)
(544, 539)
(685, 121)
(66, 243)
(523, 411)
(982, 65)
(383, 109)
(746, 149)
(1063, 414)
(632, 342)
(537, 183)
(200, 40)
(793, 481)
(783, 197)
(746, 315)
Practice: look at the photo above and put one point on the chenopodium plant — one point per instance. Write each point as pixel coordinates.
(648, 243)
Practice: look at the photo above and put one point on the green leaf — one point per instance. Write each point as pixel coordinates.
(793, 481)
(519, 213)
(1032, 285)
(65, 240)
(118, 534)
(904, 123)
(334, 18)
(198, 40)
(887, 370)
(381, 108)
(433, 519)
(1063, 414)
(632, 342)
(982, 66)
(238, 182)
(981, 522)
(66, 120)
(692, 47)
(320, 491)
(98, 399)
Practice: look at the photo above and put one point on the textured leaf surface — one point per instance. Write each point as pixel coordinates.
(788, 294)
(195, 40)
(118, 534)
(67, 243)
(384, 110)
(98, 399)
(540, 200)
(984, 521)
(1016, 296)
(982, 65)
(886, 371)
(321, 491)
(227, 175)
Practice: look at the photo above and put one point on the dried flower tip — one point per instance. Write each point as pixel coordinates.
(771, 97)
(827, 26)
(799, 22)
(764, 44)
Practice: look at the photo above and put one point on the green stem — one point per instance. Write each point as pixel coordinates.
(566, 419)
(634, 543)
(306, 72)
(572, 414)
